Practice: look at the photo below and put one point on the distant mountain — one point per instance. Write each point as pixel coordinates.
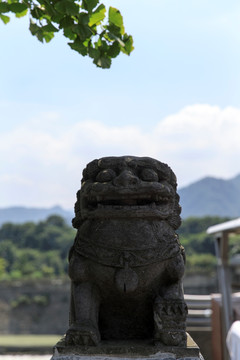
(20, 214)
(211, 196)
(208, 196)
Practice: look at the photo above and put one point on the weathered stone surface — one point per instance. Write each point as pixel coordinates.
(23, 313)
(159, 356)
(126, 264)
(126, 350)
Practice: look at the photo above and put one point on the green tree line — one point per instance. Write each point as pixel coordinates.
(199, 246)
(32, 250)
(40, 250)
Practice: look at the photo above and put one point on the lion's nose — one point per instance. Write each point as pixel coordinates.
(126, 178)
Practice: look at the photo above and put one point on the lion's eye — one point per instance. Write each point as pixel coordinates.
(106, 175)
(149, 175)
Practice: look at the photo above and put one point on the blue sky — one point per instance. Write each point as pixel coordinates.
(176, 98)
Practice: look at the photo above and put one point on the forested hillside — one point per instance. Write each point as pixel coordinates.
(40, 250)
(35, 250)
(211, 197)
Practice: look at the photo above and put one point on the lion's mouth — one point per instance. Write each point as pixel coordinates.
(132, 205)
(102, 202)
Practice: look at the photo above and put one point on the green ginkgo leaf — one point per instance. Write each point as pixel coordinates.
(5, 18)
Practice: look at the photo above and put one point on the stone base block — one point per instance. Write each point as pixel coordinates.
(127, 350)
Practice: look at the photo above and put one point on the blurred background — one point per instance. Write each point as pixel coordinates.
(176, 98)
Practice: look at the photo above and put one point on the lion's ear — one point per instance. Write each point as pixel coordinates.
(174, 220)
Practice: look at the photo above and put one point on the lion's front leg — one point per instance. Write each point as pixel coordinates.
(170, 321)
(83, 329)
(170, 310)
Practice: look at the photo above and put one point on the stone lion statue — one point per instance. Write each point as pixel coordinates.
(126, 264)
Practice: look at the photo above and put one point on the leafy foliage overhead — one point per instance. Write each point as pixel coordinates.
(84, 23)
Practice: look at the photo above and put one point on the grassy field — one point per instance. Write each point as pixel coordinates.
(29, 340)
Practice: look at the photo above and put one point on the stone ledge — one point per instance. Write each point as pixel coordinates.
(127, 350)
(158, 356)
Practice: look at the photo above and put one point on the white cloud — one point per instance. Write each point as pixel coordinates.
(41, 166)
(202, 140)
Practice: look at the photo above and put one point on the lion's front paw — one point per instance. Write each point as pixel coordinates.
(170, 321)
(82, 335)
(173, 338)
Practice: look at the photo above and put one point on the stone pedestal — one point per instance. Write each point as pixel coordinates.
(127, 350)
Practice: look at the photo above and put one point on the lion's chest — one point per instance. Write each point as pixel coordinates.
(120, 242)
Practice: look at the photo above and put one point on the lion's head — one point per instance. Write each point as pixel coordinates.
(128, 187)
